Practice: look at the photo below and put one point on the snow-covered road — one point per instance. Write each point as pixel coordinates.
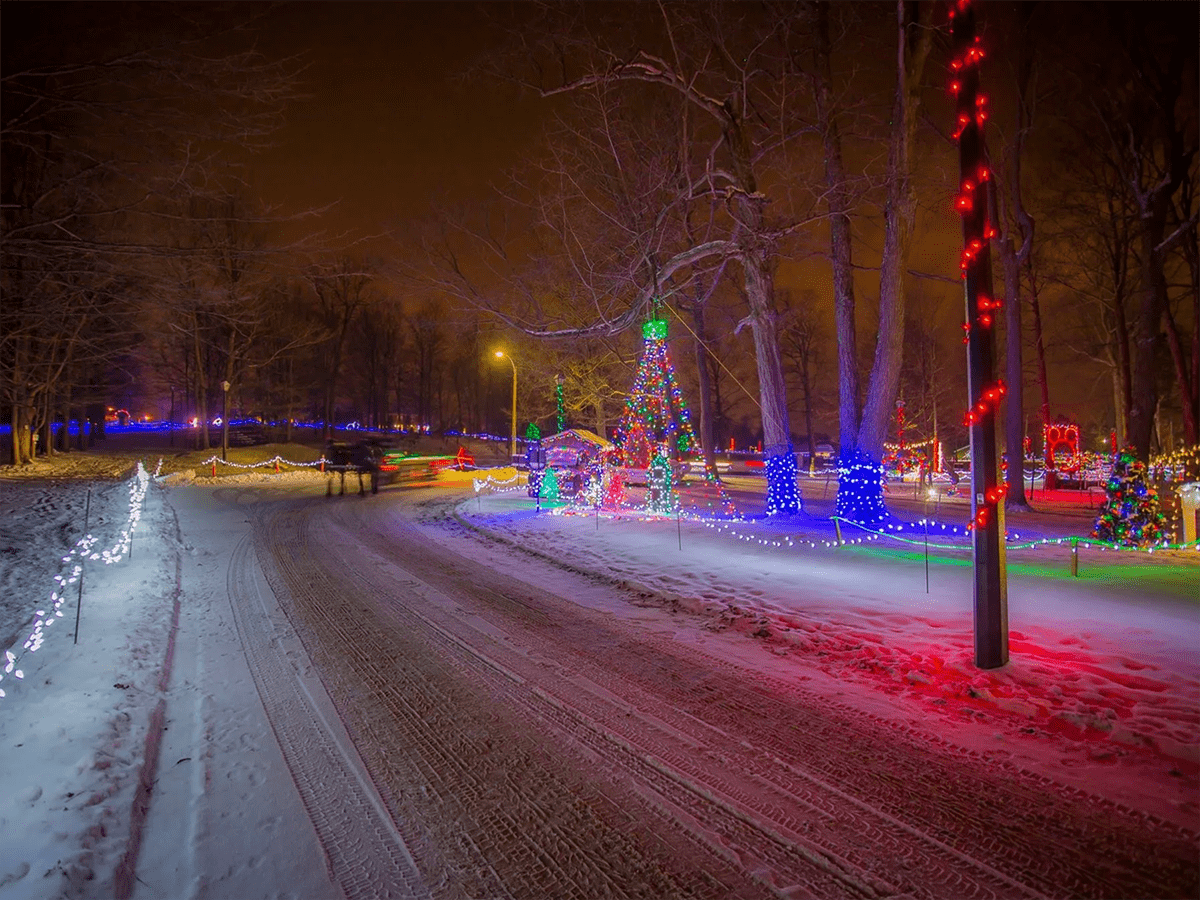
(408, 695)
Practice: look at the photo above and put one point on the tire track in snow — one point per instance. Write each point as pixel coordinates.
(976, 827)
(365, 855)
(494, 811)
(706, 781)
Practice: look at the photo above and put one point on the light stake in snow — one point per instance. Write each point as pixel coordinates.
(79, 602)
(984, 389)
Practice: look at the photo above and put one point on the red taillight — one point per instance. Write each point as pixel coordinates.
(387, 468)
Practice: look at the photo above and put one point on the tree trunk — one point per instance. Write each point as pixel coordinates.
(704, 386)
(1010, 261)
(914, 42)
(782, 494)
(22, 435)
(1121, 349)
(1188, 399)
(46, 429)
(1120, 396)
(1039, 344)
(806, 386)
(289, 403)
(1014, 410)
(1147, 338)
(201, 389)
(841, 249)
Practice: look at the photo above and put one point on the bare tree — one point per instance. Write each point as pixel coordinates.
(1185, 354)
(1013, 244)
(341, 292)
(428, 341)
(1147, 115)
(723, 75)
(802, 343)
(90, 142)
(862, 438)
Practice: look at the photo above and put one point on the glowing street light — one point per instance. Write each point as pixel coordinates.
(512, 447)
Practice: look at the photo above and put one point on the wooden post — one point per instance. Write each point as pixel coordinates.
(984, 391)
(87, 511)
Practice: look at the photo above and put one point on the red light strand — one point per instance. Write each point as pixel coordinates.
(971, 204)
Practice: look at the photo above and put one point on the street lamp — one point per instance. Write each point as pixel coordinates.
(512, 447)
(225, 420)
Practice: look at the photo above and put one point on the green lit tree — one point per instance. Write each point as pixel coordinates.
(548, 489)
(1131, 515)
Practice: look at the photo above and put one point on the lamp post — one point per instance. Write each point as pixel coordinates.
(171, 420)
(512, 447)
(224, 420)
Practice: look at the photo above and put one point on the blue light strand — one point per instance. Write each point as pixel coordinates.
(783, 495)
(860, 488)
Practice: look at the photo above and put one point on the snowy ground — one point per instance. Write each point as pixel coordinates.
(1102, 693)
(1104, 677)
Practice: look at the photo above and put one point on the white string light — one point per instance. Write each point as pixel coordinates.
(81, 552)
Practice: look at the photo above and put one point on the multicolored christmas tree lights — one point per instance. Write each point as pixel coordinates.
(663, 498)
(655, 415)
(1131, 515)
(656, 425)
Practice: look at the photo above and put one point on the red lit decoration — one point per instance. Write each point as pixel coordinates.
(1060, 442)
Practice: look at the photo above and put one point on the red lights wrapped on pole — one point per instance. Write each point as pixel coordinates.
(985, 391)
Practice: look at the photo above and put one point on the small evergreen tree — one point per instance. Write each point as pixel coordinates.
(1130, 515)
(548, 490)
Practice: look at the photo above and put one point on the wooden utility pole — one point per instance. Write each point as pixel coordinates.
(984, 389)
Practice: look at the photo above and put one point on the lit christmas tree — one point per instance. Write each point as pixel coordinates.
(655, 415)
(1131, 515)
(663, 499)
(656, 426)
(612, 488)
(548, 489)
